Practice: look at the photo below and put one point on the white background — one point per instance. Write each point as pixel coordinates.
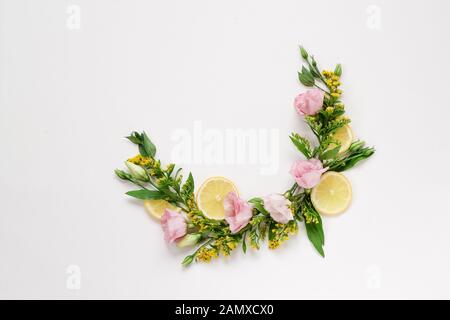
(69, 96)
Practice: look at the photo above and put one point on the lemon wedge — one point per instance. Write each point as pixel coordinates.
(211, 194)
(333, 194)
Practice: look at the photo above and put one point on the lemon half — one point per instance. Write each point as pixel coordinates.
(211, 194)
(333, 194)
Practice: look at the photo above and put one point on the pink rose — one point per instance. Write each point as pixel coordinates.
(278, 207)
(174, 225)
(307, 172)
(309, 102)
(237, 212)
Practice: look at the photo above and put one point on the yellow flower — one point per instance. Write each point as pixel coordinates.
(206, 254)
(231, 245)
(141, 160)
(311, 219)
(326, 73)
(336, 95)
(293, 228)
(273, 244)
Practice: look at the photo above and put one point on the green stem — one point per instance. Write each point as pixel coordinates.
(318, 87)
(203, 245)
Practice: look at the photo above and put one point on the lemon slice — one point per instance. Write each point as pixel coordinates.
(333, 194)
(211, 194)
(345, 136)
(156, 208)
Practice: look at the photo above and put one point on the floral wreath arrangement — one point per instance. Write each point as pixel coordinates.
(216, 220)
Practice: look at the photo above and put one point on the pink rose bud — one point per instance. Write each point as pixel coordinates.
(307, 172)
(237, 212)
(278, 207)
(174, 225)
(309, 102)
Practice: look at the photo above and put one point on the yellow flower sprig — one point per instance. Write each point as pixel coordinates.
(332, 81)
(279, 233)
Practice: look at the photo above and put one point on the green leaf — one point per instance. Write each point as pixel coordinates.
(350, 163)
(306, 78)
(314, 73)
(316, 235)
(314, 230)
(338, 70)
(135, 138)
(244, 245)
(142, 151)
(331, 153)
(303, 53)
(148, 146)
(145, 194)
(177, 173)
(258, 203)
(255, 200)
(338, 112)
(307, 74)
(271, 228)
(356, 145)
(320, 229)
(352, 159)
(302, 144)
(188, 186)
